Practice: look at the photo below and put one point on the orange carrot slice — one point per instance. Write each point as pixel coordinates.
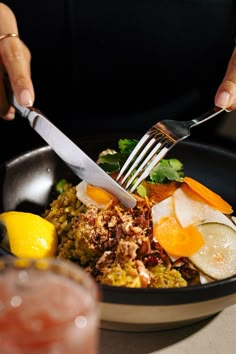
(176, 240)
(209, 196)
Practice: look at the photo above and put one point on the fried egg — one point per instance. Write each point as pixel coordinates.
(92, 195)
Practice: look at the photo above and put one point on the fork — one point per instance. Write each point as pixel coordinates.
(154, 145)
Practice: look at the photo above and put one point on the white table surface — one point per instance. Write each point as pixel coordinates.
(216, 335)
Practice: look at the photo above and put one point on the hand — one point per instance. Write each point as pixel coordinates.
(15, 60)
(226, 93)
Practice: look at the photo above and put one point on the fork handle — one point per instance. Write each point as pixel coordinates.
(208, 115)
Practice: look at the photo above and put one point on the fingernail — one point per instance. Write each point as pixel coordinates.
(25, 98)
(222, 99)
(10, 116)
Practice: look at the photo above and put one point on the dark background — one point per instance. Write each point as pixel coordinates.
(105, 66)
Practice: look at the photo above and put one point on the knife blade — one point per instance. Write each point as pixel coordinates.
(76, 159)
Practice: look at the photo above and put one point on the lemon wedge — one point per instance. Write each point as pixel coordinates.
(29, 234)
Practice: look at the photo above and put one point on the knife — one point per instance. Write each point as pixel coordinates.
(80, 163)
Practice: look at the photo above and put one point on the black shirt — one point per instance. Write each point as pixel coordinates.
(124, 64)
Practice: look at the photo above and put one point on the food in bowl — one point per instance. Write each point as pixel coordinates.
(172, 238)
(179, 233)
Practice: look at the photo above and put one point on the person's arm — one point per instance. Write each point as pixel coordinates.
(226, 93)
(15, 60)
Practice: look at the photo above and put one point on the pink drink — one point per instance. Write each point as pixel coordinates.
(51, 310)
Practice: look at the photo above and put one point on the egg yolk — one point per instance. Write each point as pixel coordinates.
(176, 240)
(99, 195)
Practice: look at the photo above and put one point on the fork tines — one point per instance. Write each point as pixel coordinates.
(151, 148)
(155, 144)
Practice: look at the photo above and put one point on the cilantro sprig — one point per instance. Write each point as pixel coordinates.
(112, 161)
(165, 171)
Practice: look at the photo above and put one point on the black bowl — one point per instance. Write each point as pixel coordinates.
(26, 185)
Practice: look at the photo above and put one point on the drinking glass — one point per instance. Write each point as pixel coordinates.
(47, 306)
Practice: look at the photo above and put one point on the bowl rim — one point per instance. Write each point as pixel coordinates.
(169, 296)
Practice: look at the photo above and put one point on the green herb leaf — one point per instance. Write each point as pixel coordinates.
(126, 146)
(141, 190)
(112, 162)
(60, 186)
(167, 170)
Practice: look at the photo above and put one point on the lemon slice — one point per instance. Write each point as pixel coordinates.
(29, 234)
(217, 257)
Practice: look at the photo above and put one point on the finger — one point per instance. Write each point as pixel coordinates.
(15, 58)
(8, 22)
(232, 107)
(226, 93)
(6, 112)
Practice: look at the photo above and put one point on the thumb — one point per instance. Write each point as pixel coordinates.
(226, 94)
